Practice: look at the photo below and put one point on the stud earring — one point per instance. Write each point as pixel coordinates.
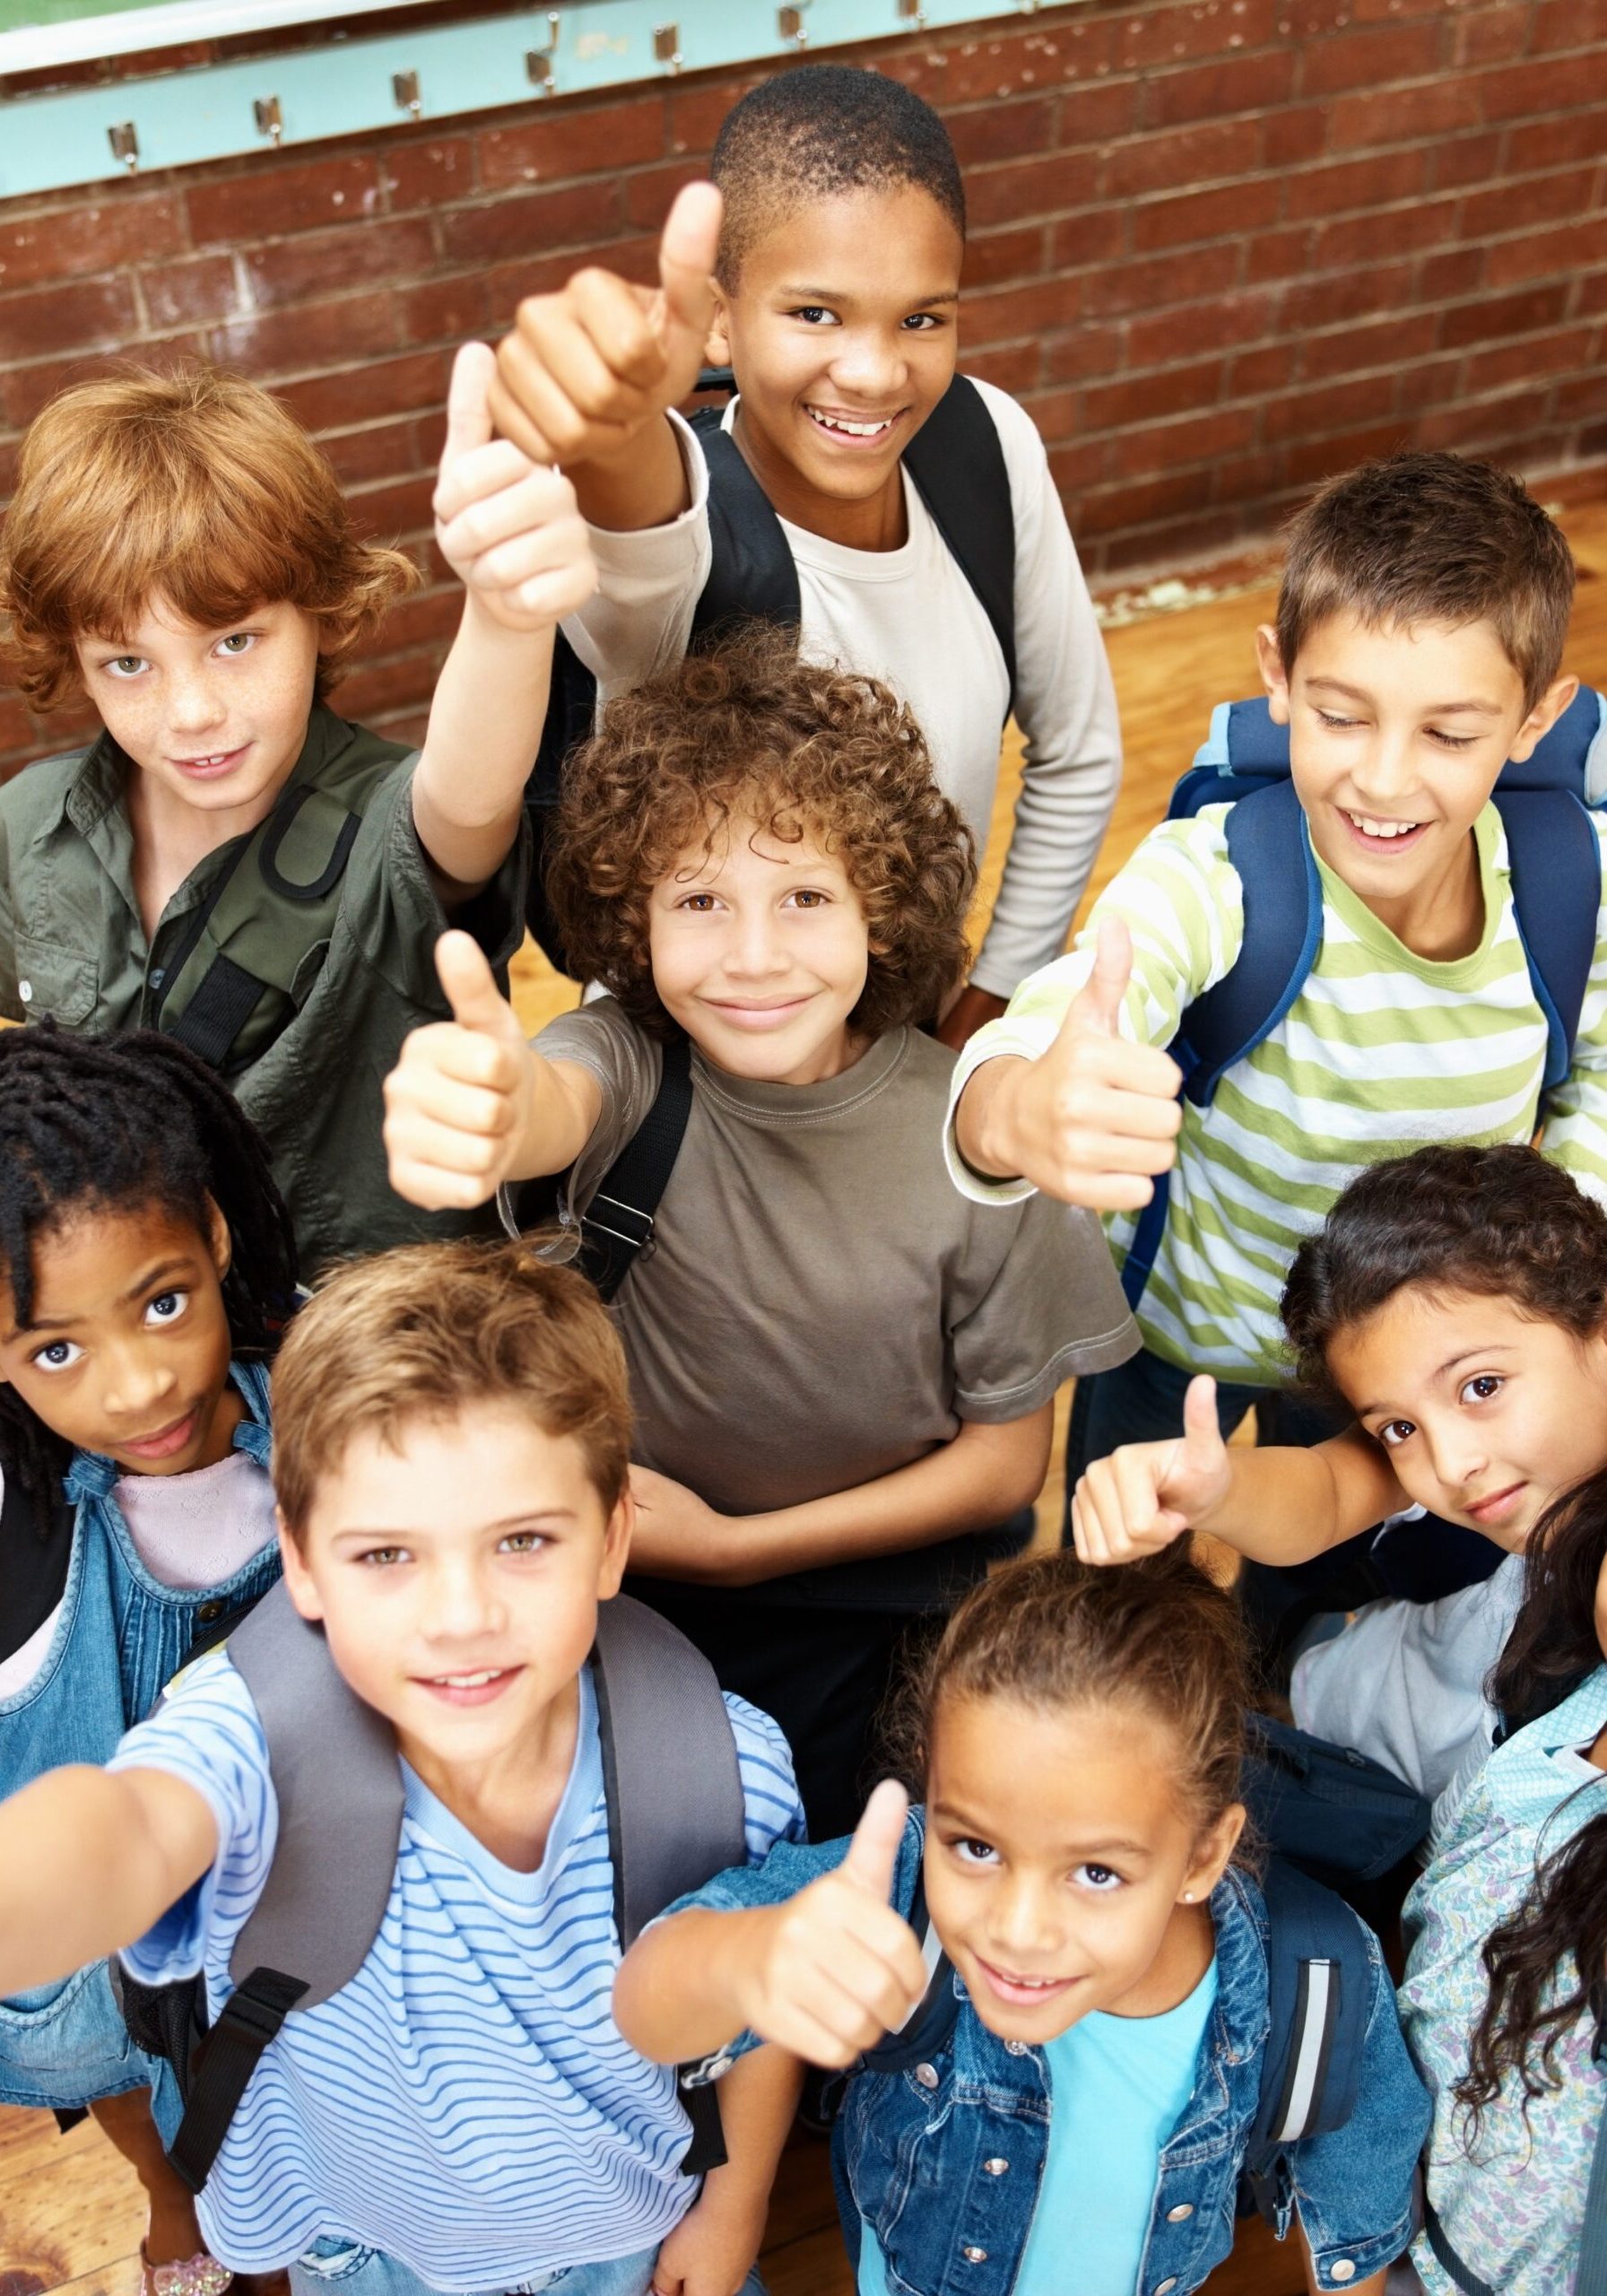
(1188, 1897)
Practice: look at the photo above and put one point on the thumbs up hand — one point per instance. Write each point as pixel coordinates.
(835, 1967)
(508, 526)
(459, 1102)
(585, 369)
(1147, 1494)
(1094, 1118)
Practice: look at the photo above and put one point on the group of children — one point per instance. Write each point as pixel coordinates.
(393, 1887)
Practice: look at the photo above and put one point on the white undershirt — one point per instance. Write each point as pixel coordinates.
(191, 1531)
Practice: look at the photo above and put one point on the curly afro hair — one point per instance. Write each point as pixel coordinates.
(750, 732)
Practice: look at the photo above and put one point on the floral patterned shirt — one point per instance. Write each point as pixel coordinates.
(1510, 2202)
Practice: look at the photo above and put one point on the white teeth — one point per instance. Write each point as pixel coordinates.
(849, 429)
(468, 1682)
(1370, 828)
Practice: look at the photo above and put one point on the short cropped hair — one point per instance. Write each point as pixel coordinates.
(197, 485)
(800, 748)
(430, 1331)
(815, 133)
(1418, 538)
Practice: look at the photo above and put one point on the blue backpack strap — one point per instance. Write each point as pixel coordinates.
(1317, 1993)
(1555, 857)
(960, 472)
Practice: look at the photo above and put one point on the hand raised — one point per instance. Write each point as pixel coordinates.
(585, 369)
(456, 1102)
(839, 1968)
(1095, 1117)
(1146, 1495)
(507, 528)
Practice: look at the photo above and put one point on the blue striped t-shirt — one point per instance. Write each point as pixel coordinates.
(466, 2103)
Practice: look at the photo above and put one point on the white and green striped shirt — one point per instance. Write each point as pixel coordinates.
(1381, 1052)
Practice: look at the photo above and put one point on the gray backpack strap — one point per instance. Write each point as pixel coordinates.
(338, 1786)
(676, 1816)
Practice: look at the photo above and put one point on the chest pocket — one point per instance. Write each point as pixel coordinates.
(55, 983)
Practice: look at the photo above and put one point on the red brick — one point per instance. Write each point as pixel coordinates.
(1146, 398)
(1200, 439)
(1451, 274)
(697, 108)
(400, 508)
(1161, 36)
(1533, 199)
(1497, 317)
(507, 284)
(317, 264)
(1568, 24)
(576, 216)
(1253, 373)
(429, 618)
(1013, 366)
(16, 726)
(1043, 186)
(1085, 352)
(992, 258)
(558, 142)
(1003, 131)
(1520, 92)
(1295, 136)
(1407, 115)
(1370, 59)
(1188, 155)
(1098, 114)
(1054, 415)
(376, 687)
(24, 390)
(445, 310)
(1464, 160)
(378, 450)
(1161, 279)
(429, 174)
(1277, 255)
(1479, 423)
(1102, 511)
(650, 192)
(1388, 344)
(1311, 458)
(986, 66)
(1593, 443)
(1098, 236)
(388, 387)
(1336, 406)
(314, 334)
(1379, 181)
(1347, 295)
(1175, 542)
(1590, 295)
(1034, 309)
(1081, 463)
(1541, 253)
(187, 294)
(1580, 396)
(1239, 82)
(1579, 136)
(273, 197)
(1494, 35)
(70, 242)
(1178, 334)
(54, 319)
(1401, 231)
(1232, 208)
(1434, 382)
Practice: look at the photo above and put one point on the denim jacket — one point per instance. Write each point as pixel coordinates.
(944, 2161)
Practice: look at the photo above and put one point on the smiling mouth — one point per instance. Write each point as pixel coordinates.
(844, 426)
(216, 761)
(1496, 1503)
(476, 1686)
(770, 1014)
(1381, 833)
(1023, 1992)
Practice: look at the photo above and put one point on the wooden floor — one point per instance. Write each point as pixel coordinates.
(69, 2211)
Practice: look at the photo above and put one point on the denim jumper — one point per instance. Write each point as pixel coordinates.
(120, 1638)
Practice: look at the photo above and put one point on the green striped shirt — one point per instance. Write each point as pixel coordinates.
(1381, 1052)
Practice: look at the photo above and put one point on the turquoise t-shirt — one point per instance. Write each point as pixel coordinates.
(1118, 2086)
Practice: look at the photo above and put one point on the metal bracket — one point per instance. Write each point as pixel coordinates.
(404, 87)
(910, 14)
(125, 146)
(789, 23)
(666, 45)
(538, 61)
(270, 119)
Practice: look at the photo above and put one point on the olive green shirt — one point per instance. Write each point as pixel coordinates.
(73, 949)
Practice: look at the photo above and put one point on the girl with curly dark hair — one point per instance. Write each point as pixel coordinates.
(842, 1371)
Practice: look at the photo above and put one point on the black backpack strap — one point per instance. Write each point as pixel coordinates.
(1555, 857)
(616, 1228)
(571, 707)
(676, 1816)
(751, 574)
(336, 1781)
(1317, 1990)
(35, 1558)
(959, 468)
(929, 2024)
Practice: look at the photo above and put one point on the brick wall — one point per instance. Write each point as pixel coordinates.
(1219, 246)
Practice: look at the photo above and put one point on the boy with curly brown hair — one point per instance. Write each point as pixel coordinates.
(843, 1374)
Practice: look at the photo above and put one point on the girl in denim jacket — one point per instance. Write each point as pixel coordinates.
(1084, 2122)
(146, 1259)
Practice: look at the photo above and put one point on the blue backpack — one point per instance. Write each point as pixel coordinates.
(1556, 862)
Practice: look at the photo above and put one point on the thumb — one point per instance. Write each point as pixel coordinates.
(468, 401)
(471, 991)
(874, 1852)
(1202, 1449)
(686, 259)
(1097, 1008)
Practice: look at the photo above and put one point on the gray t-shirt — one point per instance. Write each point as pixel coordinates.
(821, 1306)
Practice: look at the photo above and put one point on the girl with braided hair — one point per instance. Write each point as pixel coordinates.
(146, 1264)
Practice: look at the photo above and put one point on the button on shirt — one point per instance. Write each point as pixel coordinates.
(465, 2104)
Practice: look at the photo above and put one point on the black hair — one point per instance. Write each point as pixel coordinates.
(96, 1123)
(1503, 1222)
(815, 133)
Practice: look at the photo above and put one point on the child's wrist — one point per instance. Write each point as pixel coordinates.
(986, 1125)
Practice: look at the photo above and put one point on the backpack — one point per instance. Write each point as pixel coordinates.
(1341, 1817)
(1556, 862)
(958, 470)
(675, 1818)
(1318, 1991)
